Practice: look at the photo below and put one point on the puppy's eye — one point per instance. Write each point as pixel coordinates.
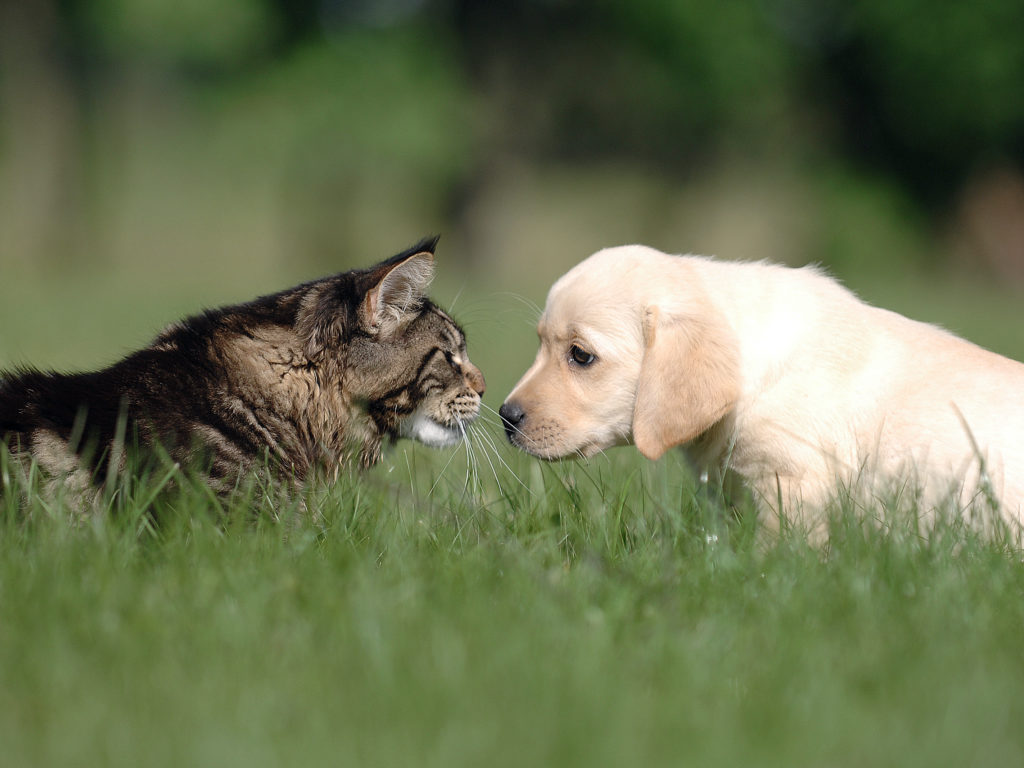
(580, 356)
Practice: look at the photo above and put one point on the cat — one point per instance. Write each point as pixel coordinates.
(312, 378)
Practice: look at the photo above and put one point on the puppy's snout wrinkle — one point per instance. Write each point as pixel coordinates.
(512, 415)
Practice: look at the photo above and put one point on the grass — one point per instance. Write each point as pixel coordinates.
(594, 614)
(606, 613)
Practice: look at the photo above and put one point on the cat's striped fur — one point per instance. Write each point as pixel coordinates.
(314, 377)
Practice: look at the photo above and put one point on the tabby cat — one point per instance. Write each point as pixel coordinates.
(314, 377)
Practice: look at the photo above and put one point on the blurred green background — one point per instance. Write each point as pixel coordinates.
(157, 156)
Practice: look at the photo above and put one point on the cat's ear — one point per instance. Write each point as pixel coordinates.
(398, 291)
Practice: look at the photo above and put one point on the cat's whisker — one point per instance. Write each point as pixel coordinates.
(469, 455)
(529, 304)
(485, 441)
(493, 470)
(477, 482)
(489, 440)
(451, 305)
(472, 470)
(443, 469)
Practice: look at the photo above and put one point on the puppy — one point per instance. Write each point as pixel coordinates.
(780, 375)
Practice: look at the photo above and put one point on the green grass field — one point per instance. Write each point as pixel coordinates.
(489, 610)
(445, 610)
(604, 614)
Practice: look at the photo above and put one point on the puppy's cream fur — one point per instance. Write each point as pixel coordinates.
(779, 374)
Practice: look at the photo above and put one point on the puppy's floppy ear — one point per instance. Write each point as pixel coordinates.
(398, 290)
(689, 379)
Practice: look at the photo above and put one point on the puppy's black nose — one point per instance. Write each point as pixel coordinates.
(511, 416)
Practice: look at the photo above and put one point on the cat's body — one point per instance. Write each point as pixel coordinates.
(313, 377)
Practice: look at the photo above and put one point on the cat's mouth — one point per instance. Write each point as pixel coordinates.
(429, 431)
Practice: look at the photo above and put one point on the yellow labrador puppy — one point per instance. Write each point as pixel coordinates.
(779, 374)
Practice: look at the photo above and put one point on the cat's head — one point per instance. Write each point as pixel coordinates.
(402, 360)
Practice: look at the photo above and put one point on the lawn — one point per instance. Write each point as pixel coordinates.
(607, 613)
(449, 609)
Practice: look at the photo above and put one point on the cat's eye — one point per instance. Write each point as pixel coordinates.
(580, 356)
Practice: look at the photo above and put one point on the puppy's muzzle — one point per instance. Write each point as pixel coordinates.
(512, 416)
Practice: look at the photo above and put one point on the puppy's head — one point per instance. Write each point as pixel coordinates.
(631, 349)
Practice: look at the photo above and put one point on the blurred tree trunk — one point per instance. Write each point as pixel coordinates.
(40, 138)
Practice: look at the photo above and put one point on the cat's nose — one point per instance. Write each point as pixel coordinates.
(475, 379)
(512, 416)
